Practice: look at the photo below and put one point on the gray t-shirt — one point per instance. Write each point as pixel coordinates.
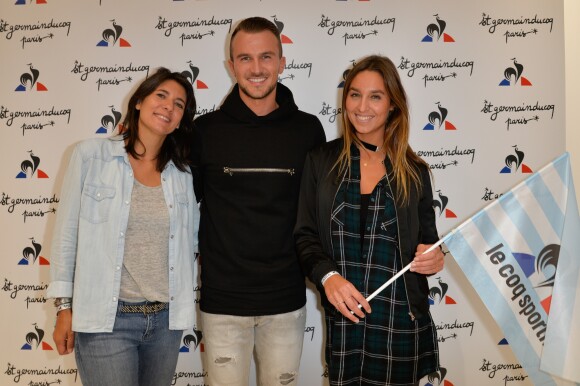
(145, 273)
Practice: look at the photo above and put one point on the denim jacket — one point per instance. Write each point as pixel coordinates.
(89, 236)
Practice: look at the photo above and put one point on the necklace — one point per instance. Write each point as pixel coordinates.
(371, 147)
(374, 148)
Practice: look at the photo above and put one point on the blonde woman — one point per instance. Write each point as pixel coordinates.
(365, 212)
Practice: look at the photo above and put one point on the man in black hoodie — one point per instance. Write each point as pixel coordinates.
(248, 158)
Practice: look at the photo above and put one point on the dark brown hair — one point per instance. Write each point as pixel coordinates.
(176, 145)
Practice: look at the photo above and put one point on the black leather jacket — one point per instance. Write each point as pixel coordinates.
(416, 224)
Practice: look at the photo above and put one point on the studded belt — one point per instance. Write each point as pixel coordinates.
(149, 308)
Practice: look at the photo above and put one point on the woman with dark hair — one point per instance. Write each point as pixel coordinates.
(365, 213)
(124, 242)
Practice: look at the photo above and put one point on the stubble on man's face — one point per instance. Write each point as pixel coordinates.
(256, 64)
(257, 94)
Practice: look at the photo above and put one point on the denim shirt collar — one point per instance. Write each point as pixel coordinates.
(118, 150)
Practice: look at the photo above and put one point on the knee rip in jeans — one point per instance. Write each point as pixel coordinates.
(287, 378)
(222, 361)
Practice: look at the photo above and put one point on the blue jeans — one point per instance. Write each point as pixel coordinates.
(231, 340)
(141, 351)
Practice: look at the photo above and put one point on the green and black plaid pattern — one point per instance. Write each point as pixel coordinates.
(386, 347)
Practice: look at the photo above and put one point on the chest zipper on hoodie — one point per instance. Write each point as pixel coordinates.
(400, 252)
(231, 171)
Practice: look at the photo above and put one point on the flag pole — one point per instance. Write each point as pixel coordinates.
(407, 267)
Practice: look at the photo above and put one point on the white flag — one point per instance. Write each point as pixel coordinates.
(522, 255)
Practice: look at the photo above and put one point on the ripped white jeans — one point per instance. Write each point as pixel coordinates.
(230, 341)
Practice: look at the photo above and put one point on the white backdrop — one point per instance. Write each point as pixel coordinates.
(67, 68)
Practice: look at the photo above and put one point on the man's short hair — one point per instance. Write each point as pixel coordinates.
(254, 25)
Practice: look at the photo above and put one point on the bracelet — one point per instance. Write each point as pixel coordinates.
(59, 301)
(328, 275)
(63, 306)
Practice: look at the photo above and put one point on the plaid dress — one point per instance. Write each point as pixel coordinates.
(386, 347)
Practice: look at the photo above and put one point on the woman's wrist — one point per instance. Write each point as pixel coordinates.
(327, 276)
(63, 303)
(64, 306)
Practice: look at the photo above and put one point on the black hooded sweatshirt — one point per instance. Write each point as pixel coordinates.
(247, 172)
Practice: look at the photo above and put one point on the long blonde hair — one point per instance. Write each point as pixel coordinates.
(396, 143)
